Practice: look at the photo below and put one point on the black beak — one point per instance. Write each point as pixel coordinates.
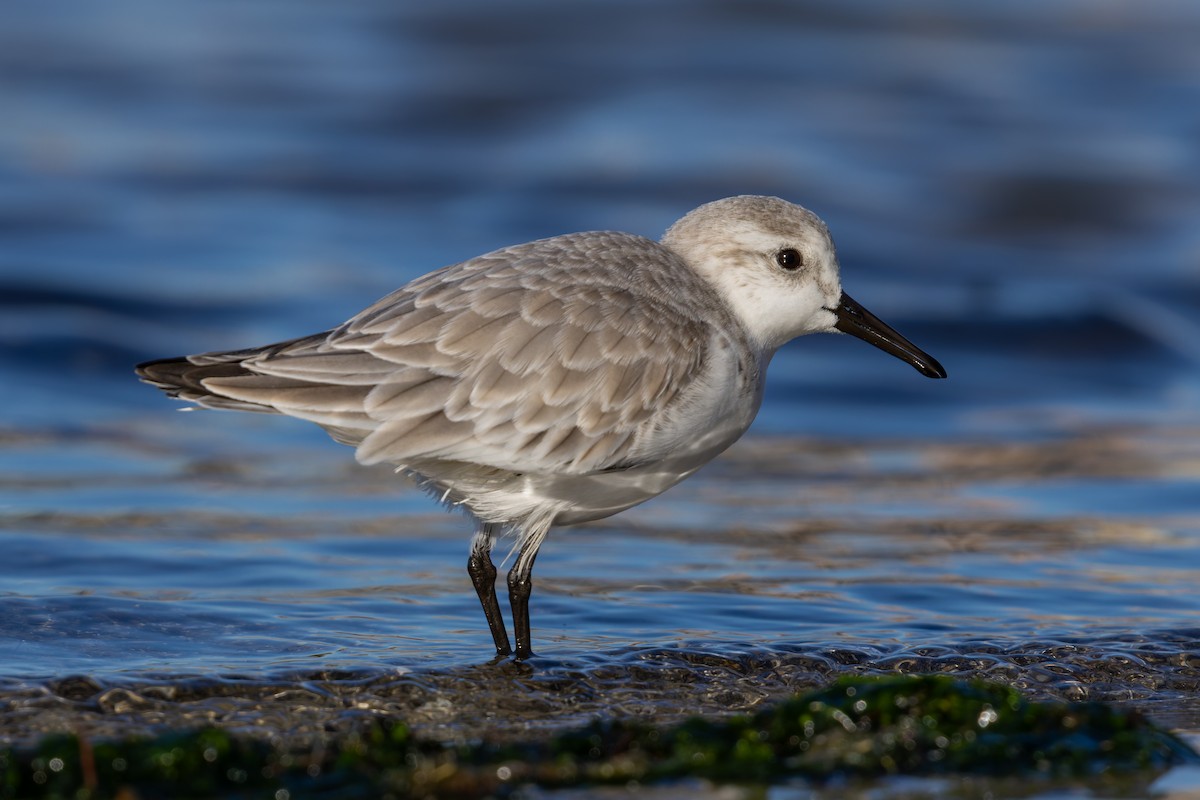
(857, 321)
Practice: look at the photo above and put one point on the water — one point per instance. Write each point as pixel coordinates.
(1013, 186)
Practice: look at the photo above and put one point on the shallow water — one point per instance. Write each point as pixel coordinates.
(1012, 187)
(908, 556)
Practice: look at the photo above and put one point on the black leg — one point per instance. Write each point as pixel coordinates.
(483, 575)
(520, 586)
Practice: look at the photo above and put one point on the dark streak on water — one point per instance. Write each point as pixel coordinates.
(1012, 186)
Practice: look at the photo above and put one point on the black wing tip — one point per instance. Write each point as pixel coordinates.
(146, 368)
(169, 374)
(182, 374)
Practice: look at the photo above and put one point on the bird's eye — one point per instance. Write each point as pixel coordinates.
(789, 259)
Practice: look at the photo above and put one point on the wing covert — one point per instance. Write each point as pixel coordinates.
(545, 356)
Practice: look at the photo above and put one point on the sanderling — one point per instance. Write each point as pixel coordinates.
(561, 380)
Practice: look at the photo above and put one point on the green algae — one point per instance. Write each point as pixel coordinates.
(857, 727)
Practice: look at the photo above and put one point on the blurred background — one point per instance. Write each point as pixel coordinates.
(1013, 185)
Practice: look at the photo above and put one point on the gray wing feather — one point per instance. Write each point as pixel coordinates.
(545, 356)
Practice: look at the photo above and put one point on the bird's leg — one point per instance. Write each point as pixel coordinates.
(483, 575)
(520, 586)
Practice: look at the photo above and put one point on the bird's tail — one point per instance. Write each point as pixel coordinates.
(185, 377)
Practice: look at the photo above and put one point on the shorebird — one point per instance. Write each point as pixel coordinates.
(561, 380)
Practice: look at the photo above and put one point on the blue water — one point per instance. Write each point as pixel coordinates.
(1012, 185)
